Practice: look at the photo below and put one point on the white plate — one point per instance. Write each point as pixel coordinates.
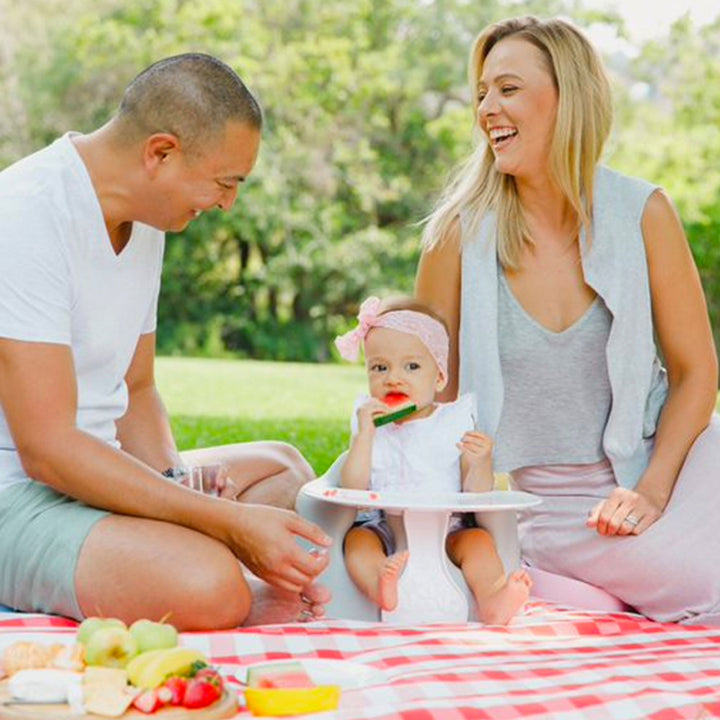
(348, 675)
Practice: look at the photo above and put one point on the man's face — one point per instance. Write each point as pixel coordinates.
(189, 184)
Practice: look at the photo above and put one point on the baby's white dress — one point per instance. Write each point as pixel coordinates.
(418, 456)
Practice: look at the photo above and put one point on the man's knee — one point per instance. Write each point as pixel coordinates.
(218, 596)
(294, 472)
(293, 460)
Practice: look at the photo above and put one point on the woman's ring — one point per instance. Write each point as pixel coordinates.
(632, 520)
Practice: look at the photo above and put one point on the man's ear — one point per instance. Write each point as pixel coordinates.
(159, 149)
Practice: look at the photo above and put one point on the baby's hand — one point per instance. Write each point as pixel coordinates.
(476, 449)
(367, 412)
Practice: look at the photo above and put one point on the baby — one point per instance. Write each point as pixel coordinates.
(434, 449)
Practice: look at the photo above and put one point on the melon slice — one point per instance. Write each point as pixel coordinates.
(395, 400)
(286, 680)
(279, 675)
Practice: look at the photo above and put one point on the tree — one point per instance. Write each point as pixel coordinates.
(366, 111)
(673, 138)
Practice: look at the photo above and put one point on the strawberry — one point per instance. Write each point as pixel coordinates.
(209, 674)
(148, 701)
(201, 693)
(177, 686)
(164, 694)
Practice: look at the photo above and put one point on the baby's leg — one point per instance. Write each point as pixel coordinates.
(375, 574)
(498, 597)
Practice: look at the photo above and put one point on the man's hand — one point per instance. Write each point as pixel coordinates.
(265, 542)
(625, 512)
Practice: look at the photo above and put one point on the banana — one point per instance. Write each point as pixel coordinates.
(137, 665)
(151, 672)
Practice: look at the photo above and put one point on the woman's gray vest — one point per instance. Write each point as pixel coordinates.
(615, 267)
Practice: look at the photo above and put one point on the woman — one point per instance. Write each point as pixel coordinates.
(555, 274)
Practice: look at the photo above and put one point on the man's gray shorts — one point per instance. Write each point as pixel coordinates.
(41, 535)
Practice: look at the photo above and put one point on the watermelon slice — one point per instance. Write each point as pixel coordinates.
(279, 675)
(395, 399)
(286, 680)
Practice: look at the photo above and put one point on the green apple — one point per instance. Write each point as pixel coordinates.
(110, 647)
(89, 625)
(151, 635)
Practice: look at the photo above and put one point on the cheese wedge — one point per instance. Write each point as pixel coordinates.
(43, 685)
(106, 692)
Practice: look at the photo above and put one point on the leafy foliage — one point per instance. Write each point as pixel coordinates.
(366, 112)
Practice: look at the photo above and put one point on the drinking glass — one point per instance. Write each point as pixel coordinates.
(207, 479)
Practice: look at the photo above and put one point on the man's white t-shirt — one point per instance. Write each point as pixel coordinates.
(61, 282)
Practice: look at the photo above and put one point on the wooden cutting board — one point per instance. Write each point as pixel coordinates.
(225, 707)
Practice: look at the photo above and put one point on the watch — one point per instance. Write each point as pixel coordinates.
(175, 473)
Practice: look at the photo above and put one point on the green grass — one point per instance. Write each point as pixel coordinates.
(214, 402)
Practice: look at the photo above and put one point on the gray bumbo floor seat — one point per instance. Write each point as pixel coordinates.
(431, 588)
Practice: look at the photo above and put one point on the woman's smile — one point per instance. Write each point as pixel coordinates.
(501, 137)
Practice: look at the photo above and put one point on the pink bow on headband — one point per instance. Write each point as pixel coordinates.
(430, 332)
(349, 344)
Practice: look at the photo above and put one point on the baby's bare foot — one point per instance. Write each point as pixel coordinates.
(390, 573)
(500, 607)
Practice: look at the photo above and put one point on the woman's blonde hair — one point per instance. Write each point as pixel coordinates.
(583, 119)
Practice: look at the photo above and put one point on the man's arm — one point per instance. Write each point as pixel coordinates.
(39, 396)
(144, 431)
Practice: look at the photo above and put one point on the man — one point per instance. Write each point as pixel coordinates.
(88, 523)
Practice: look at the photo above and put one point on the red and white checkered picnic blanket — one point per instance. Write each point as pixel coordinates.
(550, 663)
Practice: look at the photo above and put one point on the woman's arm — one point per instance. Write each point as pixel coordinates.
(683, 330)
(437, 285)
(681, 321)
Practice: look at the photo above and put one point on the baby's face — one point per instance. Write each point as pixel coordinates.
(398, 362)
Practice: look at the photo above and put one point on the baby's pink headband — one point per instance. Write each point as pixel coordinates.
(431, 332)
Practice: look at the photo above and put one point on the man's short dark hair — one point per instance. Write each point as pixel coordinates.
(192, 96)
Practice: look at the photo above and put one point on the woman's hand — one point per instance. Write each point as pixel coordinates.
(625, 512)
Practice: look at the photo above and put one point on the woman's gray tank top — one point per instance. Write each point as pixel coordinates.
(557, 390)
